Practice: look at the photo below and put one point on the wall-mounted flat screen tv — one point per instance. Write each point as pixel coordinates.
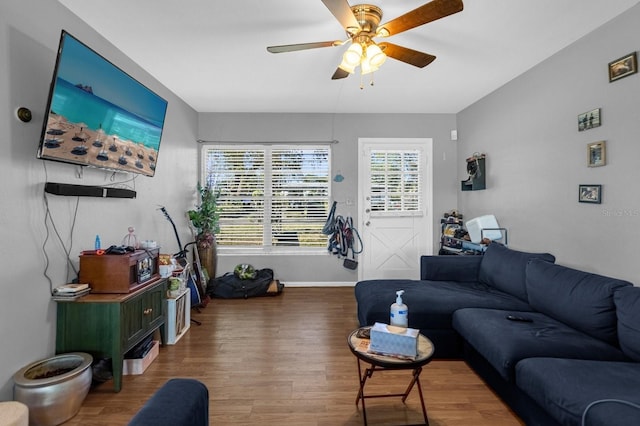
(98, 115)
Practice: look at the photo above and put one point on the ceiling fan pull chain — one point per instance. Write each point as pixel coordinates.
(361, 82)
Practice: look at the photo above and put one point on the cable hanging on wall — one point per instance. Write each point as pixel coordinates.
(343, 237)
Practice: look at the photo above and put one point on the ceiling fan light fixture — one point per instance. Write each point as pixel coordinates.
(382, 32)
(375, 55)
(347, 67)
(352, 55)
(367, 67)
(352, 30)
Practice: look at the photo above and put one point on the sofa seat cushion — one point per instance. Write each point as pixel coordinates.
(503, 342)
(504, 269)
(627, 302)
(579, 299)
(566, 387)
(431, 303)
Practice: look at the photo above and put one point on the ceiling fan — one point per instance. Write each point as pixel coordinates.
(362, 24)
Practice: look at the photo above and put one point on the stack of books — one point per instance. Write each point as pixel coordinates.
(70, 291)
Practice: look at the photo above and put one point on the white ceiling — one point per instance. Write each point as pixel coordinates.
(213, 55)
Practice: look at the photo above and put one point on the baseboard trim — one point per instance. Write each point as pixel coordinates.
(319, 284)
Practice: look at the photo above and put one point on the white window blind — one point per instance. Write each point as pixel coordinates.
(395, 181)
(239, 175)
(270, 195)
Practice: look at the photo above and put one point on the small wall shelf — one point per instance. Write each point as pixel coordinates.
(476, 181)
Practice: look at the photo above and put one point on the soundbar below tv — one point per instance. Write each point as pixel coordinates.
(87, 191)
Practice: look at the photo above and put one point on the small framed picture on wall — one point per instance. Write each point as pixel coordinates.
(596, 154)
(590, 194)
(589, 120)
(623, 67)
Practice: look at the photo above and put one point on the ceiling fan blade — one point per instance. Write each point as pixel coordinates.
(340, 73)
(303, 46)
(426, 13)
(342, 11)
(406, 55)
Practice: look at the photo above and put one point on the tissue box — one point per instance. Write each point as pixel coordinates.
(395, 341)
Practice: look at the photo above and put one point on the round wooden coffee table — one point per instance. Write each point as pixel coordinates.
(359, 347)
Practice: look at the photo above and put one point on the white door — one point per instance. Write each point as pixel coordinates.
(394, 194)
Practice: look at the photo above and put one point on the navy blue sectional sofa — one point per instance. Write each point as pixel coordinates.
(575, 361)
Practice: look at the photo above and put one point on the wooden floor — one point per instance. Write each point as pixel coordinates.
(285, 361)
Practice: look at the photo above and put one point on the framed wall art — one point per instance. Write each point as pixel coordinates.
(589, 120)
(590, 194)
(596, 154)
(623, 67)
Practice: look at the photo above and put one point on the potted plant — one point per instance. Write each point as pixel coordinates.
(205, 219)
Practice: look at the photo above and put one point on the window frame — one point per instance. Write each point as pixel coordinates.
(268, 195)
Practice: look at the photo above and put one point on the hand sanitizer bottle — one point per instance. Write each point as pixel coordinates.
(399, 312)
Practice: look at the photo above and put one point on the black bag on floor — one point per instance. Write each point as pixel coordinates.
(229, 286)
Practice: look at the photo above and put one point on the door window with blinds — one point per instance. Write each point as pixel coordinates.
(396, 182)
(270, 195)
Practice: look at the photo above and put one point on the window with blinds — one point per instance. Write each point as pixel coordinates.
(272, 195)
(395, 181)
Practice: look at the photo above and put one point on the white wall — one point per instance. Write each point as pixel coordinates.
(345, 128)
(536, 157)
(29, 35)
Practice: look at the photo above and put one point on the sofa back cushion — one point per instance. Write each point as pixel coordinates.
(450, 268)
(579, 299)
(627, 301)
(504, 269)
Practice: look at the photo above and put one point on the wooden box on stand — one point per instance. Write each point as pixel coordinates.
(118, 273)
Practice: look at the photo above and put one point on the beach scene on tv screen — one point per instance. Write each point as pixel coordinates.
(100, 116)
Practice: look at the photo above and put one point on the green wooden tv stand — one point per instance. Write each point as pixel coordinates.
(108, 325)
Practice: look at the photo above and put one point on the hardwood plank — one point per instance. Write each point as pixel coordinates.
(285, 360)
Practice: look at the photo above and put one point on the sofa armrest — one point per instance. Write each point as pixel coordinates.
(450, 268)
(179, 402)
(611, 412)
